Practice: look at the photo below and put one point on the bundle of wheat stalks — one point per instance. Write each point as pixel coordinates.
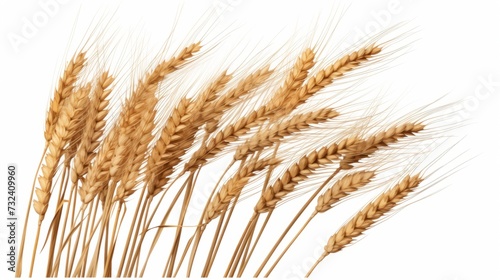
(141, 166)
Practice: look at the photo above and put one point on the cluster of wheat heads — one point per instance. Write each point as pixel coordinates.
(114, 186)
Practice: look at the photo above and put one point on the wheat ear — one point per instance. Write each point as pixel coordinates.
(77, 135)
(274, 133)
(294, 79)
(342, 188)
(133, 111)
(178, 134)
(112, 153)
(364, 148)
(175, 138)
(298, 172)
(63, 90)
(185, 137)
(212, 115)
(283, 102)
(234, 186)
(63, 130)
(326, 76)
(369, 215)
(94, 127)
(206, 100)
(140, 143)
(352, 148)
(174, 123)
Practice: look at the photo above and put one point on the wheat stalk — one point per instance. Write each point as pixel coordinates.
(135, 166)
(125, 128)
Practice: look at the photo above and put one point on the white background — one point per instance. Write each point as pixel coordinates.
(452, 235)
